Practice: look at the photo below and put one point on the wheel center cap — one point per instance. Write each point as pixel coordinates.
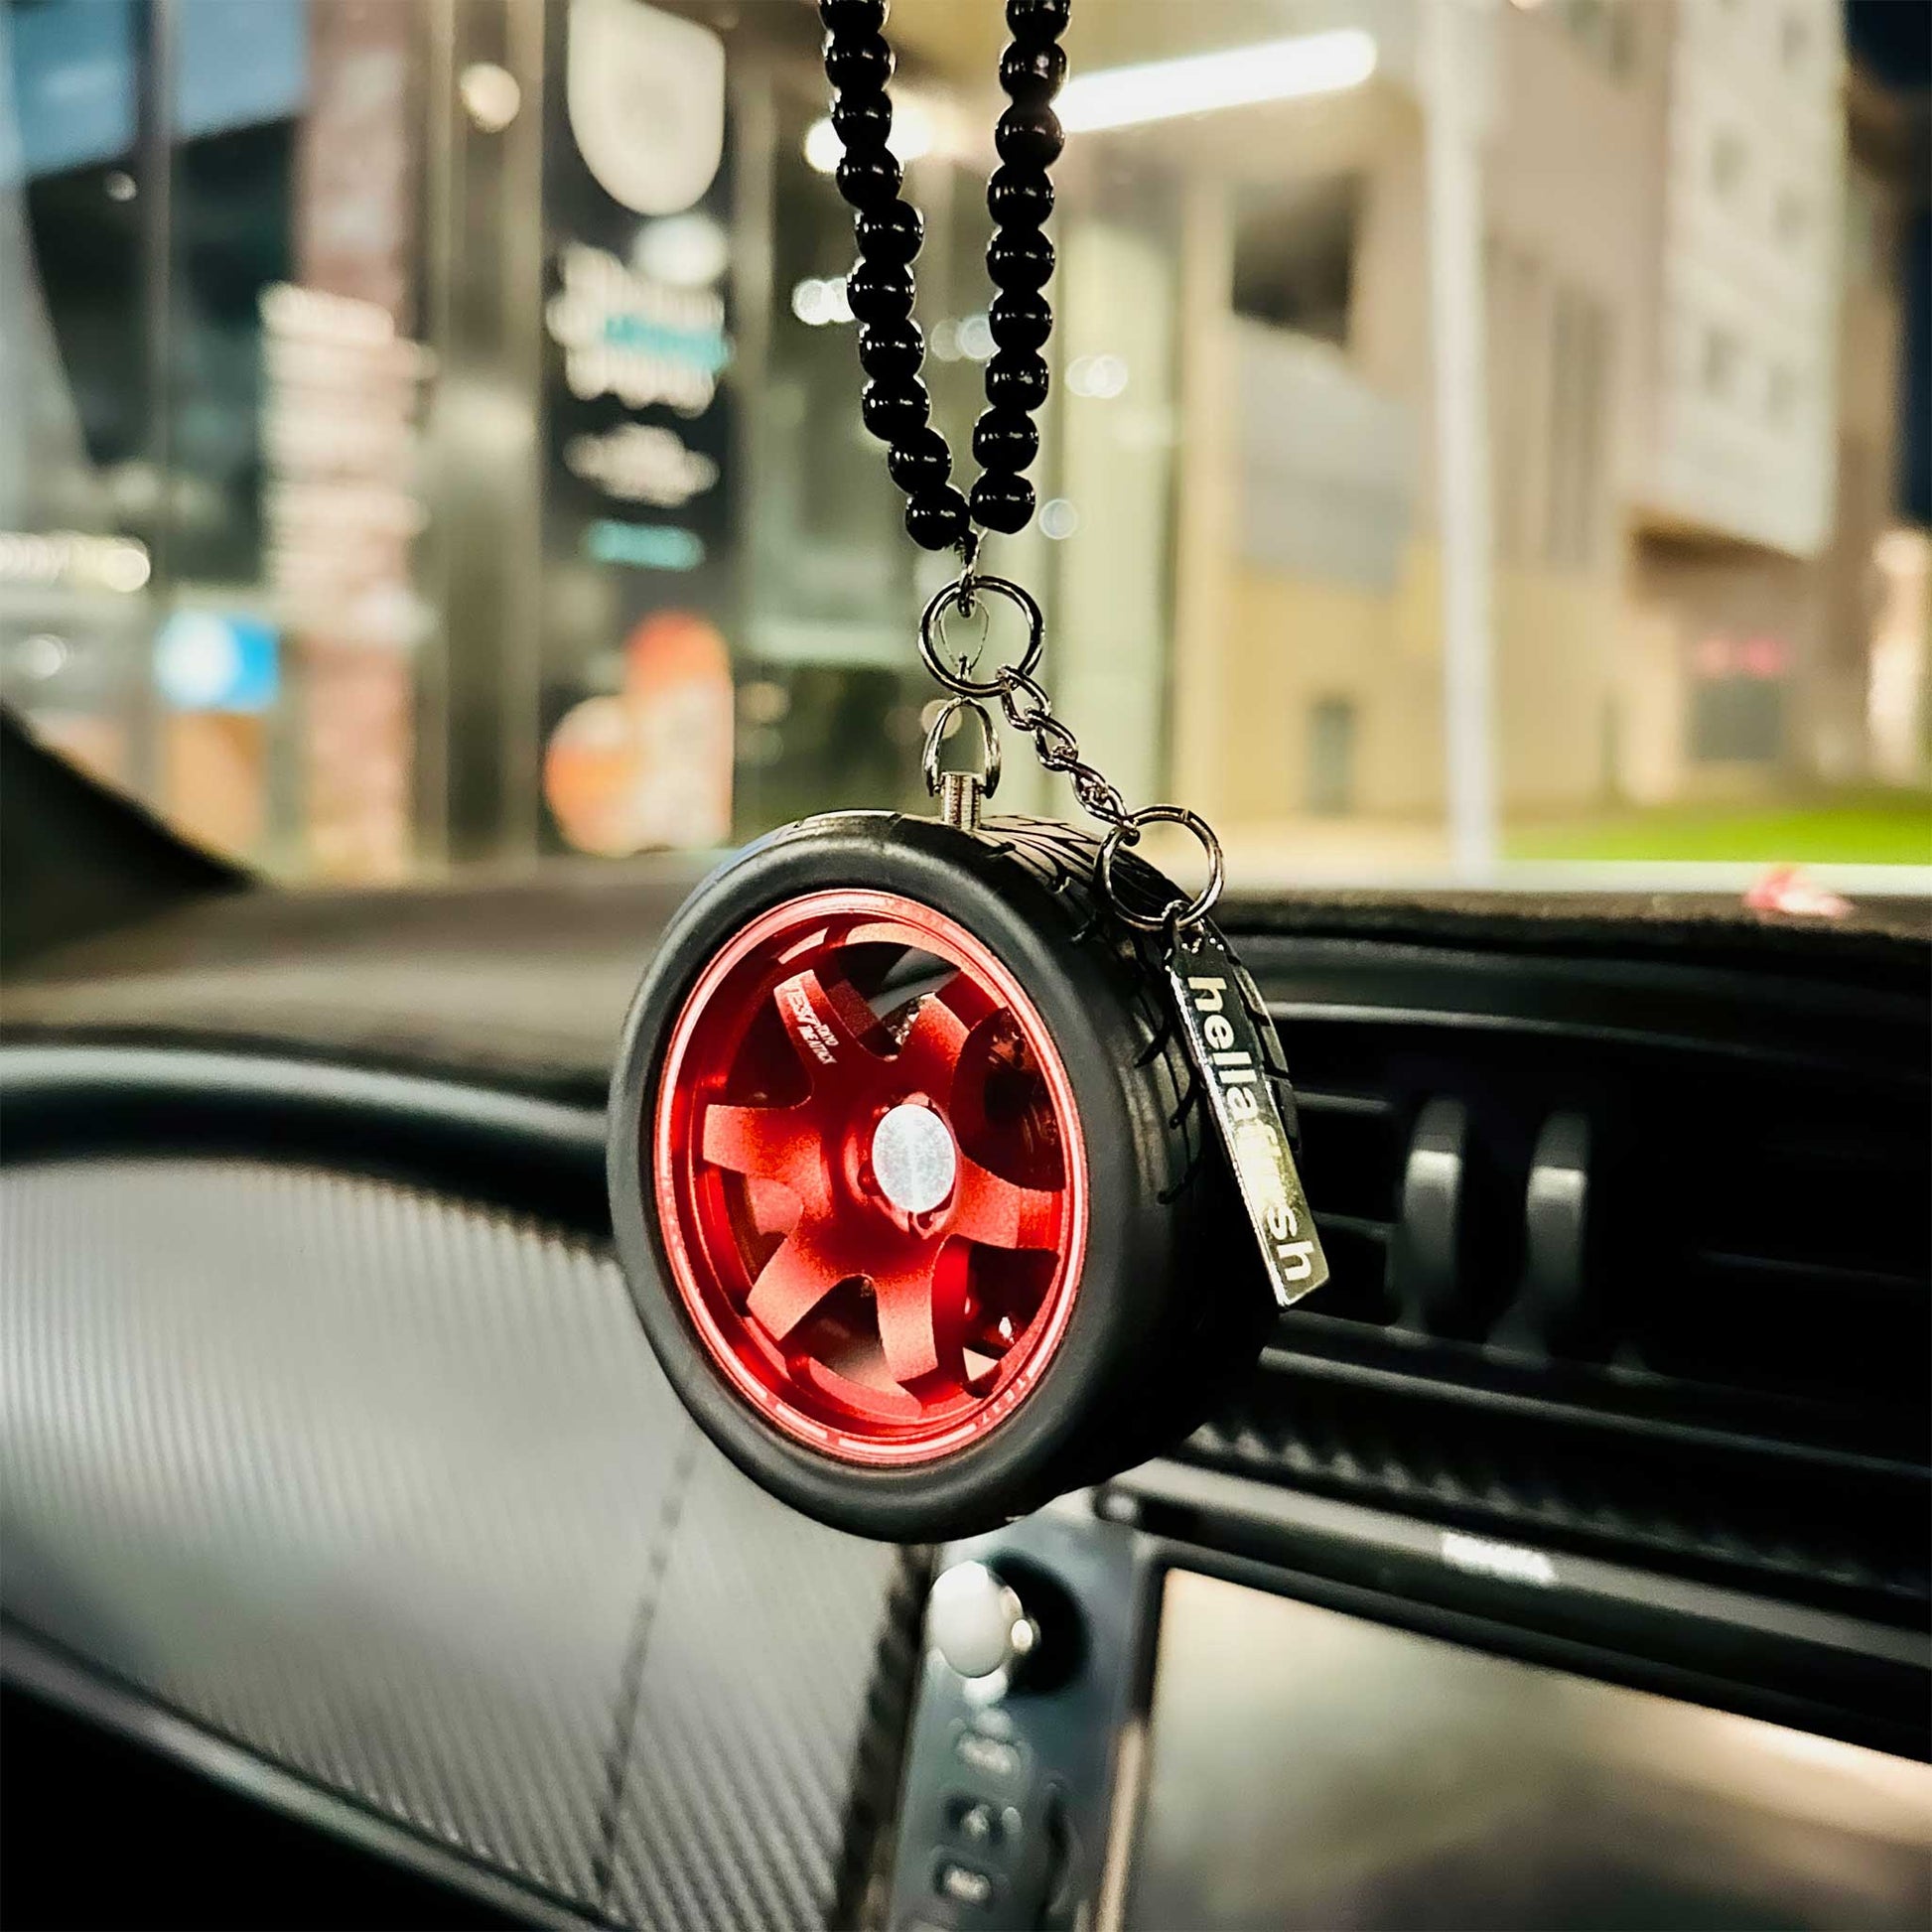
(914, 1159)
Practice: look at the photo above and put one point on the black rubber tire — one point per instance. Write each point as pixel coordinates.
(1171, 1298)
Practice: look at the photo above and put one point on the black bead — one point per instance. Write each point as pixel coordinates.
(855, 16)
(895, 411)
(1034, 21)
(1017, 319)
(1016, 380)
(892, 234)
(891, 351)
(1031, 75)
(1005, 439)
(1020, 198)
(1002, 502)
(879, 292)
(868, 180)
(862, 122)
(920, 464)
(938, 520)
(860, 63)
(1020, 259)
(1029, 137)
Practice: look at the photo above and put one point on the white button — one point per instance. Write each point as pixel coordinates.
(963, 1884)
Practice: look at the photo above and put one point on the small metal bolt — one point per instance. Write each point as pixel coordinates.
(960, 794)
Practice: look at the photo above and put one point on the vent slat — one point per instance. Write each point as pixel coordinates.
(1314, 1100)
(1824, 1275)
(1361, 1224)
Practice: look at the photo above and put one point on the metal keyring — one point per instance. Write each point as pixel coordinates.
(1180, 912)
(959, 596)
(989, 738)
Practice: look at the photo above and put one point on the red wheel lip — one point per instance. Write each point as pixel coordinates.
(687, 1268)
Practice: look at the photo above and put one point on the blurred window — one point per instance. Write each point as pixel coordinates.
(1606, 30)
(1737, 719)
(1728, 159)
(1331, 757)
(1578, 382)
(1793, 217)
(1866, 239)
(1294, 252)
(1724, 357)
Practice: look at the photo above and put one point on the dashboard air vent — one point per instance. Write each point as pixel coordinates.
(1656, 1285)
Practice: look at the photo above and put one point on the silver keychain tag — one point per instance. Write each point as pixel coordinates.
(1236, 1050)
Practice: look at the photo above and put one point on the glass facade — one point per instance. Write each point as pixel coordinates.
(429, 429)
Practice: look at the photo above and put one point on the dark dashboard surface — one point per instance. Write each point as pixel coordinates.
(524, 981)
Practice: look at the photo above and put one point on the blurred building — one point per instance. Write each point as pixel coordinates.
(429, 431)
(1694, 401)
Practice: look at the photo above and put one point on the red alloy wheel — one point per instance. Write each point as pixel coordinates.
(868, 1177)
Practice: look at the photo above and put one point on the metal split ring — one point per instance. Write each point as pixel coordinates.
(963, 594)
(929, 759)
(1181, 912)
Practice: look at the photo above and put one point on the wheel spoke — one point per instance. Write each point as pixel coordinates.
(928, 1056)
(920, 1309)
(781, 1144)
(774, 1208)
(1000, 1213)
(796, 1279)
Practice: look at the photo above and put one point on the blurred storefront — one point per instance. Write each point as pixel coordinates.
(430, 430)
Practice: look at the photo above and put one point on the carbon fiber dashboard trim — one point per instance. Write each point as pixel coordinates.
(43, 1672)
(387, 1489)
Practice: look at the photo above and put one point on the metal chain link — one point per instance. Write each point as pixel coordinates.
(1057, 749)
(1029, 710)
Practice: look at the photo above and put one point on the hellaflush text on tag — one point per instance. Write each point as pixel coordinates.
(1232, 1041)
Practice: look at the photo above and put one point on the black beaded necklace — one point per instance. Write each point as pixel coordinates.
(1020, 260)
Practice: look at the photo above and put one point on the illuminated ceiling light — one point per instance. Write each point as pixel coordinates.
(823, 147)
(912, 135)
(817, 301)
(1101, 376)
(124, 566)
(1059, 519)
(1238, 77)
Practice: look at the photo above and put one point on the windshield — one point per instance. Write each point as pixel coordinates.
(1484, 444)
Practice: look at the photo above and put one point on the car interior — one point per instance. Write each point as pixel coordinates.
(1566, 1560)
(966, 967)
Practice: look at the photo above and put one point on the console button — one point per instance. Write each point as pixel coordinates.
(992, 1757)
(975, 1820)
(964, 1885)
(978, 1825)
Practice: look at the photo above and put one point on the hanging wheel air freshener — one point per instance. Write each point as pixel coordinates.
(931, 1138)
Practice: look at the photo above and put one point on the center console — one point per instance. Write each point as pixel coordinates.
(1187, 1701)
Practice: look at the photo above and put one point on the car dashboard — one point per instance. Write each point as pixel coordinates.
(1577, 1530)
